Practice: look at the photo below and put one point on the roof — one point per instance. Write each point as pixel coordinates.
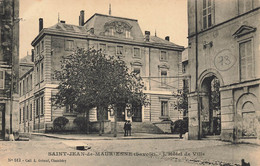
(98, 26)
(157, 40)
(68, 28)
(100, 22)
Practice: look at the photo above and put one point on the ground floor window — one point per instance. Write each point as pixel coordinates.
(164, 108)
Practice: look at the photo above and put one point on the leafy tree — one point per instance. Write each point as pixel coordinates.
(215, 94)
(182, 99)
(89, 78)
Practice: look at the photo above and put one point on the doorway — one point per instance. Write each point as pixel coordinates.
(2, 121)
(210, 114)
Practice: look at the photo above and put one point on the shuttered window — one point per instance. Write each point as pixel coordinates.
(246, 60)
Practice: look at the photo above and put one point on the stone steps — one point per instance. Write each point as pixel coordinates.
(139, 127)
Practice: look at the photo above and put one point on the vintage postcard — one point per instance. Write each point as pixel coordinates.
(130, 82)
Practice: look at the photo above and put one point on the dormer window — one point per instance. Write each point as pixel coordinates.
(111, 31)
(127, 34)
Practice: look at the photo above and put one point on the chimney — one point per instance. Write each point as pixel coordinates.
(147, 35)
(40, 24)
(32, 55)
(167, 38)
(81, 18)
(62, 21)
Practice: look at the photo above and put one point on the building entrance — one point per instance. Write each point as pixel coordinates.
(2, 121)
(210, 114)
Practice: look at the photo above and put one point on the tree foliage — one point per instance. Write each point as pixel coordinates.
(89, 78)
(215, 94)
(182, 99)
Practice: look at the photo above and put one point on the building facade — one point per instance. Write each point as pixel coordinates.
(9, 67)
(224, 64)
(156, 60)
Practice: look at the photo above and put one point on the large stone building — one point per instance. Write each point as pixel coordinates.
(224, 49)
(9, 66)
(156, 60)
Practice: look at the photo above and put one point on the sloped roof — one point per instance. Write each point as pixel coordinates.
(157, 40)
(98, 22)
(68, 28)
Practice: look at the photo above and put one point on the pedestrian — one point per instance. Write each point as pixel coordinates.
(125, 128)
(129, 127)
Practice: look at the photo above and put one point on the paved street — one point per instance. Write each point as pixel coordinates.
(41, 150)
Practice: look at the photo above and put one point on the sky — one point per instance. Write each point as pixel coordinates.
(166, 17)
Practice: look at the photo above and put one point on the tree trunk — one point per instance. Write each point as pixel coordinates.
(100, 110)
(87, 118)
(115, 123)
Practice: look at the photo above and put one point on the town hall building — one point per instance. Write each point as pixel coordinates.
(158, 61)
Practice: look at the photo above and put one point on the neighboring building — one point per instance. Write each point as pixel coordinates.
(155, 59)
(26, 93)
(9, 66)
(224, 64)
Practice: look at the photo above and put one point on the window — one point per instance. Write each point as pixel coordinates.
(207, 13)
(111, 31)
(164, 108)
(31, 82)
(70, 108)
(119, 50)
(20, 115)
(37, 74)
(69, 45)
(42, 46)
(20, 89)
(27, 83)
(24, 87)
(30, 111)
(2, 79)
(137, 53)
(163, 56)
(246, 60)
(23, 114)
(184, 66)
(127, 34)
(37, 49)
(42, 105)
(27, 114)
(41, 72)
(244, 6)
(103, 48)
(37, 106)
(163, 78)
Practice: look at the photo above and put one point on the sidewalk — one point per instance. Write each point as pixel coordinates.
(120, 136)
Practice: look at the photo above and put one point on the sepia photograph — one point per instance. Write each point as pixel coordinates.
(130, 82)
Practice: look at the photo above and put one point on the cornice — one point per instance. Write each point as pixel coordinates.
(105, 39)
